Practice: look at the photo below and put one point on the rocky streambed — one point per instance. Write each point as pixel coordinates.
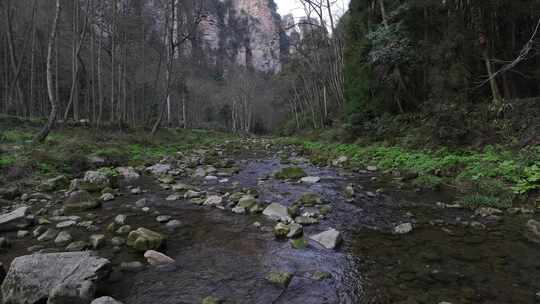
(220, 226)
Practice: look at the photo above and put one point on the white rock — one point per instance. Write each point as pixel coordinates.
(159, 169)
(277, 212)
(106, 300)
(157, 258)
(107, 197)
(310, 179)
(213, 200)
(173, 197)
(403, 228)
(329, 239)
(65, 224)
(120, 219)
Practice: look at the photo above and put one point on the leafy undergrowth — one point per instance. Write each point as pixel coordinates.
(67, 151)
(495, 176)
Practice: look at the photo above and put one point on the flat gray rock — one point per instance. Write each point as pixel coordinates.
(329, 239)
(14, 220)
(277, 212)
(34, 278)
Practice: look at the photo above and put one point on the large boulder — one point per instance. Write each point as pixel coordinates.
(56, 277)
(95, 181)
(144, 239)
(277, 212)
(81, 201)
(14, 220)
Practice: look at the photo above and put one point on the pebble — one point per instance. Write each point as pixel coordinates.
(163, 218)
(118, 241)
(22, 234)
(63, 237)
(120, 219)
(97, 240)
(173, 224)
(124, 229)
(157, 258)
(65, 224)
(403, 228)
(48, 235)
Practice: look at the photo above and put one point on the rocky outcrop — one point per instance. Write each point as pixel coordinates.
(56, 277)
(239, 32)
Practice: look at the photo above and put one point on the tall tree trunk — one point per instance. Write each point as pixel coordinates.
(50, 85)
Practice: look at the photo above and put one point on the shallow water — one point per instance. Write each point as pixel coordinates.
(221, 254)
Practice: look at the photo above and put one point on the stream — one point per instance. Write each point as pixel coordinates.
(222, 254)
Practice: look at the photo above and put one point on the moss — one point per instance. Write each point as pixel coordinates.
(291, 173)
(281, 279)
(299, 243)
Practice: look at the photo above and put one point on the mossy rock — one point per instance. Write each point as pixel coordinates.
(299, 243)
(247, 202)
(292, 173)
(281, 279)
(144, 239)
(309, 199)
(281, 230)
(211, 300)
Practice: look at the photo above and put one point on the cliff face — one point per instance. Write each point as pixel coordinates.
(240, 32)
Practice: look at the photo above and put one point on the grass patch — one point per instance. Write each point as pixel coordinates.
(494, 172)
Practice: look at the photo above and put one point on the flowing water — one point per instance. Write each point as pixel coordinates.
(225, 255)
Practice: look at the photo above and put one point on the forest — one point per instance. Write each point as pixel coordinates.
(269, 151)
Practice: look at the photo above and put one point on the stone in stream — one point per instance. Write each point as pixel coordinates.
(309, 199)
(213, 200)
(277, 212)
(211, 300)
(310, 179)
(173, 197)
(117, 241)
(125, 229)
(487, 211)
(106, 197)
(10, 193)
(120, 219)
(81, 201)
(39, 231)
(34, 278)
(320, 275)
(192, 194)
(280, 279)
(304, 220)
(54, 184)
(290, 173)
(63, 237)
(77, 246)
(15, 219)
(106, 300)
(66, 224)
(172, 225)
(295, 230)
(49, 235)
(329, 239)
(21, 234)
(281, 230)
(136, 190)
(144, 239)
(239, 210)
(94, 181)
(182, 187)
(128, 174)
(372, 168)
(246, 202)
(299, 243)
(163, 218)
(340, 161)
(533, 231)
(141, 203)
(157, 258)
(159, 169)
(403, 228)
(97, 240)
(349, 191)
